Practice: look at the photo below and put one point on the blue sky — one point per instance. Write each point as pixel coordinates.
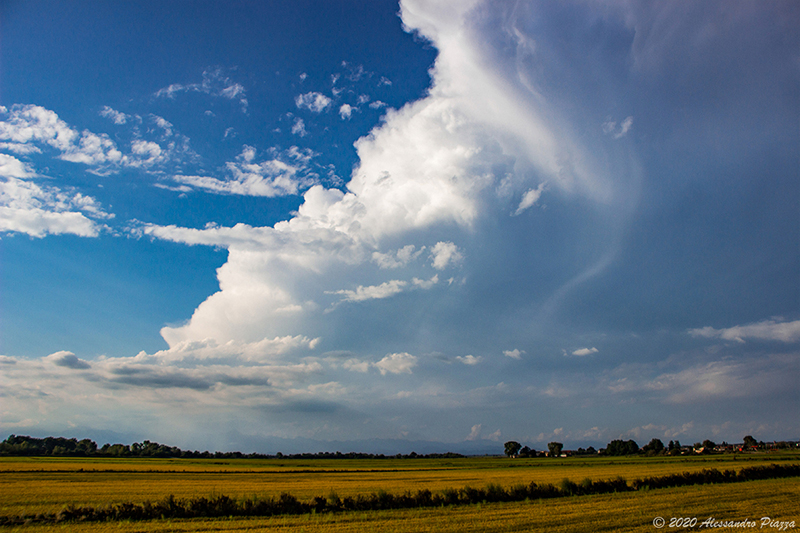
(244, 225)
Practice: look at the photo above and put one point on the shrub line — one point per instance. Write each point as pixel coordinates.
(287, 504)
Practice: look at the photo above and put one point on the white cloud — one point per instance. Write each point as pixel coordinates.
(514, 354)
(610, 128)
(209, 350)
(20, 149)
(346, 111)
(425, 283)
(474, 432)
(67, 360)
(430, 168)
(469, 360)
(313, 101)
(112, 114)
(287, 173)
(769, 330)
(726, 380)
(377, 104)
(26, 207)
(530, 198)
(399, 258)
(396, 363)
(11, 167)
(584, 351)
(444, 254)
(356, 365)
(164, 124)
(299, 127)
(27, 125)
(373, 292)
(214, 83)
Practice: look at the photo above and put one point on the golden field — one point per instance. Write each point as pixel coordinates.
(45, 485)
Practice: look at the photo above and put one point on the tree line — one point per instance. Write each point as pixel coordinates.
(59, 446)
(619, 447)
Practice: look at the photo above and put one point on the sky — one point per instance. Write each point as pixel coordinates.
(371, 226)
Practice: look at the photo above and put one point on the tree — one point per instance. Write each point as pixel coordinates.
(654, 447)
(619, 447)
(527, 452)
(709, 444)
(555, 448)
(750, 442)
(512, 448)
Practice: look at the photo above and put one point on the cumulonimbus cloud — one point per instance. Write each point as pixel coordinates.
(435, 163)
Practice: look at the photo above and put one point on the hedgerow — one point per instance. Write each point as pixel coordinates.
(287, 504)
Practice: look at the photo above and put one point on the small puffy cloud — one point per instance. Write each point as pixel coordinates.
(67, 360)
(768, 330)
(148, 152)
(114, 115)
(444, 254)
(514, 354)
(164, 124)
(474, 432)
(396, 363)
(346, 111)
(377, 104)
(313, 101)
(530, 198)
(584, 351)
(469, 360)
(425, 283)
(299, 127)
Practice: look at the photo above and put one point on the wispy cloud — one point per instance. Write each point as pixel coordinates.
(766, 330)
(610, 128)
(214, 83)
(285, 174)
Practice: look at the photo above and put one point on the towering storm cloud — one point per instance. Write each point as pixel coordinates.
(580, 225)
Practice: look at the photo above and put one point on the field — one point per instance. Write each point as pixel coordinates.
(46, 485)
